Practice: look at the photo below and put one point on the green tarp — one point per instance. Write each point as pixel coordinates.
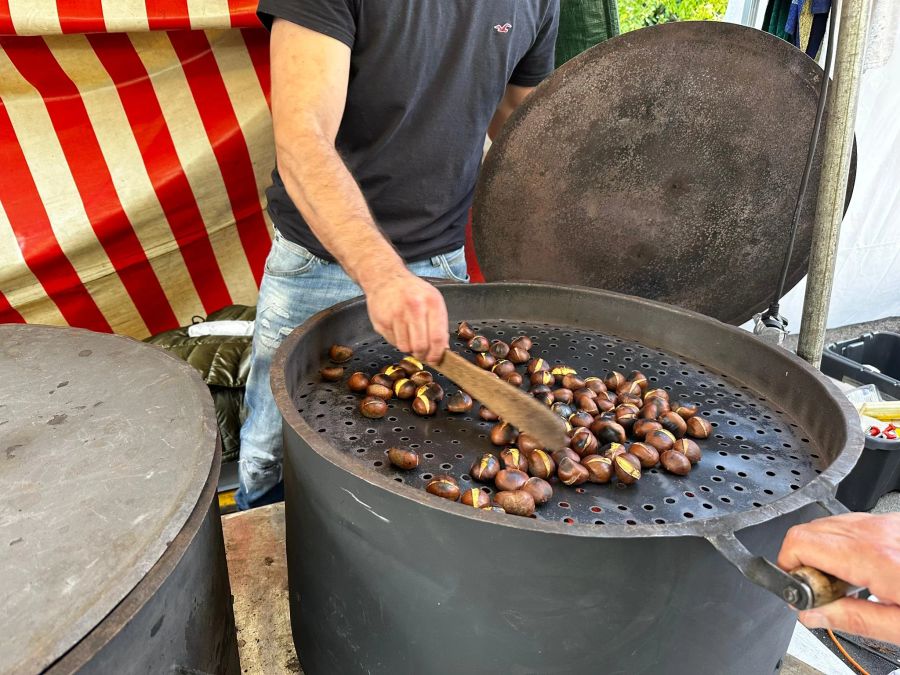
(582, 24)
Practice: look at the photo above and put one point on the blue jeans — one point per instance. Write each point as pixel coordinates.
(296, 284)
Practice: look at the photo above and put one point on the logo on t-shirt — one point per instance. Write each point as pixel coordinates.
(503, 28)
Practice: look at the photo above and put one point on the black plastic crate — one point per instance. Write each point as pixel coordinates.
(878, 469)
(856, 358)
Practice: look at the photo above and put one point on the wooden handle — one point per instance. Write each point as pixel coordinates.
(825, 588)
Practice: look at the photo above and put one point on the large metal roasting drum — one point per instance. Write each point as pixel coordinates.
(111, 551)
(387, 578)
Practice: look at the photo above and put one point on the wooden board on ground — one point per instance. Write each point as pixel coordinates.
(254, 545)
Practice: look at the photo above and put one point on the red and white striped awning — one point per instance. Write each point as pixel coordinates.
(136, 142)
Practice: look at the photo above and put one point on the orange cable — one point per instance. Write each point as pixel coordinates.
(846, 655)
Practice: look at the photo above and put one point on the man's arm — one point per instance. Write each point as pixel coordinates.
(309, 89)
(512, 99)
(862, 549)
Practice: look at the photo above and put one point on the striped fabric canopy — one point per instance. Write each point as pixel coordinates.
(136, 141)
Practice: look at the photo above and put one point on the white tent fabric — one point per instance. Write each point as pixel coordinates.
(867, 274)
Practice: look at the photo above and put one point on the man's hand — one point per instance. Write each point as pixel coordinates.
(862, 549)
(410, 313)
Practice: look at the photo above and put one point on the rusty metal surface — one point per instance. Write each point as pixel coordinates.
(663, 163)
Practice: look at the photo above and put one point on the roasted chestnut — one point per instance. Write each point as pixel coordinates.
(651, 411)
(580, 418)
(639, 378)
(504, 434)
(660, 439)
(675, 462)
(404, 388)
(656, 393)
(558, 455)
(444, 486)
(513, 458)
(630, 388)
(403, 458)
(527, 443)
(572, 381)
(358, 382)
(588, 404)
(661, 404)
(606, 416)
(503, 368)
(340, 353)
(518, 355)
(631, 399)
(422, 378)
(522, 342)
(432, 390)
(515, 502)
(609, 396)
(600, 469)
(485, 360)
(563, 395)
(564, 410)
(559, 372)
(510, 479)
(614, 380)
(485, 468)
(394, 372)
(514, 378)
(380, 391)
(459, 402)
(642, 427)
(487, 415)
(373, 407)
(539, 489)
(673, 423)
(626, 416)
(331, 373)
(627, 468)
(464, 331)
(540, 464)
(647, 455)
(476, 497)
(689, 449)
(583, 442)
(410, 365)
(608, 432)
(424, 406)
(595, 384)
(479, 343)
(383, 380)
(546, 398)
(604, 404)
(697, 427)
(571, 472)
(535, 365)
(542, 377)
(686, 410)
(499, 349)
(611, 450)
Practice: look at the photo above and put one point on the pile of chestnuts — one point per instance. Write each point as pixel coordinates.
(619, 426)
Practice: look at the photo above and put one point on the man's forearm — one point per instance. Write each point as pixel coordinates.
(322, 188)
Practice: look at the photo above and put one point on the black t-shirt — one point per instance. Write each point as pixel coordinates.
(425, 79)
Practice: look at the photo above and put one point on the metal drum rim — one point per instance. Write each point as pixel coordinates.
(822, 487)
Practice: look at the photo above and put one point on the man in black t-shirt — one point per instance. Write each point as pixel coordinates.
(380, 108)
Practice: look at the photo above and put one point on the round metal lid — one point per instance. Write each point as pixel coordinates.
(105, 446)
(664, 163)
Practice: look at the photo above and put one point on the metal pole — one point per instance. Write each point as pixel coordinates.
(854, 22)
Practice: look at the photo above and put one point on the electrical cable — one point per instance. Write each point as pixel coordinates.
(847, 656)
(774, 308)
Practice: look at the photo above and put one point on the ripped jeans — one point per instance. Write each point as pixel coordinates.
(296, 285)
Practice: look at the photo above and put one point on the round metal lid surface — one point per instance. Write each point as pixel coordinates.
(105, 446)
(663, 163)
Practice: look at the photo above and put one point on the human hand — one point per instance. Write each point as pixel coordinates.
(862, 549)
(410, 313)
